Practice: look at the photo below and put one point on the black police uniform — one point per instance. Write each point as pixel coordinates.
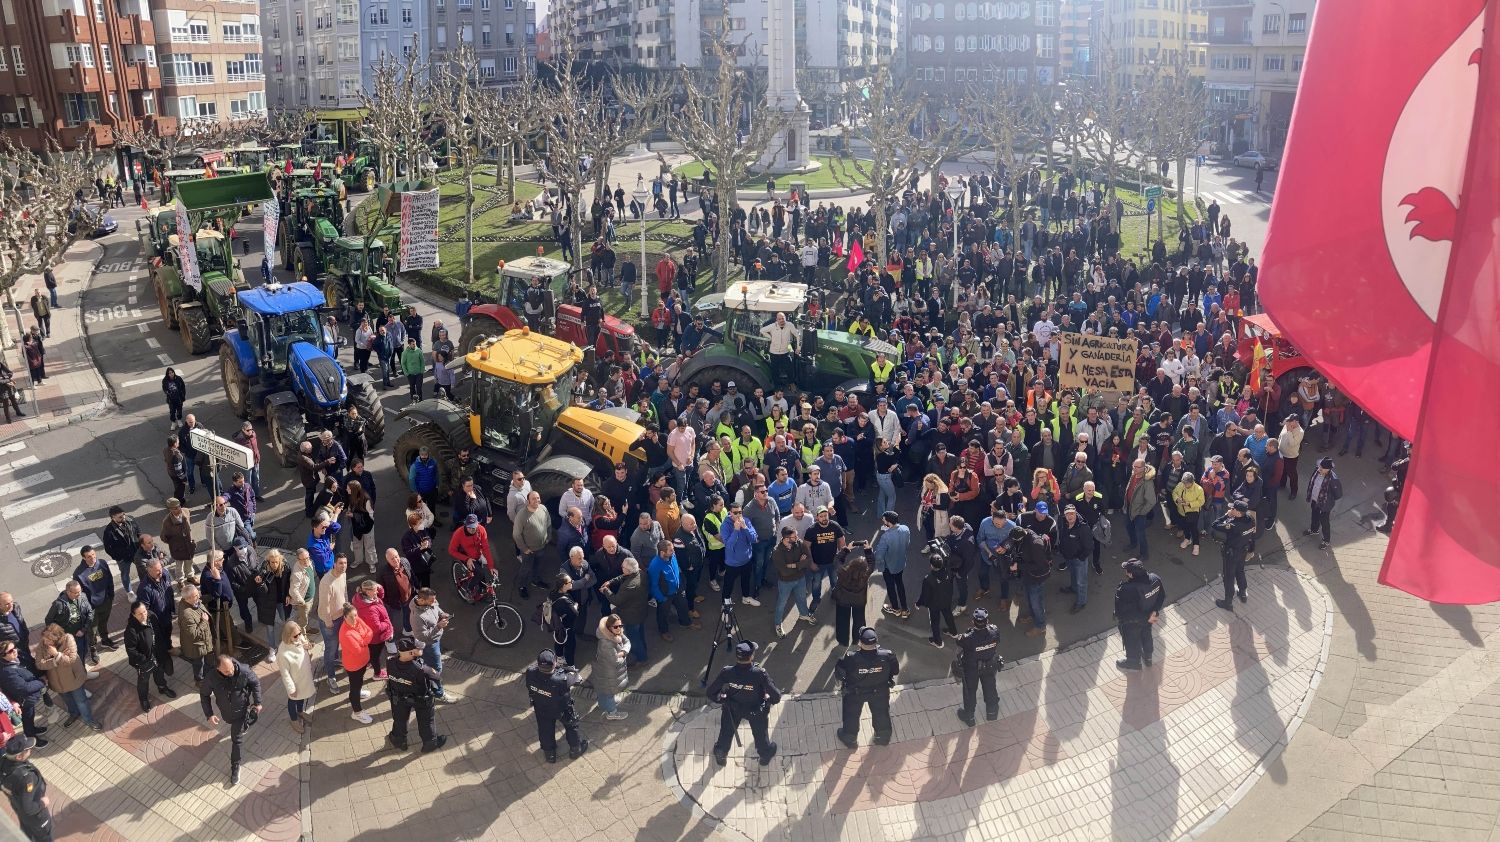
(1136, 599)
(867, 676)
(1239, 535)
(746, 692)
(979, 659)
(552, 700)
(410, 684)
(26, 787)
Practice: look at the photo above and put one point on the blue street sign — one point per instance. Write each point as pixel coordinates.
(1150, 205)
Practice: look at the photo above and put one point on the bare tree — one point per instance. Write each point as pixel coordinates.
(191, 135)
(1114, 130)
(288, 125)
(40, 215)
(394, 107)
(706, 121)
(1176, 107)
(1015, 123)
(899, 128)
(587, 124)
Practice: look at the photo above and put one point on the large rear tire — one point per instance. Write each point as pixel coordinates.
(287, 429)
(305, 261)
(479, 327)
(163, 301)
(197, 335)
(236, 384)
(363, 397)
(705, 377)
(367, 180)
(410, 443)
(551, 485)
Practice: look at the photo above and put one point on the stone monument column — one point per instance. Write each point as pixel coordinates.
(789, 150)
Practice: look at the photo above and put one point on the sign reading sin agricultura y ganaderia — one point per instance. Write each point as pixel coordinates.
(1097, 363)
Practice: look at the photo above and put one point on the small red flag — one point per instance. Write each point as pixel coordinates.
(288, 168)
(1445, 548)
(318, 171)
(856, 254)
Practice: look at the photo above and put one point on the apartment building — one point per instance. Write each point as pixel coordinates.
(211, 59)
(502, 34)
(1255, 51)
(388, 30)
(77, 70)
(1011, 42)
(835, 39)
(1077, 20)
(1145, 35)
(314, 53)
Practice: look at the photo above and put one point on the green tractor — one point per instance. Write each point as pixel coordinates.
(356, 271)
(213, 205)
(362, 169)
(311, 221)
(251, 158)
(155, 232)
(736, 349)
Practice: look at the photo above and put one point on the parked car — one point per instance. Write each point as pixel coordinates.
(1251, 158)
(93, 221)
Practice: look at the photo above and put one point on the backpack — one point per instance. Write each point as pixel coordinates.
(1102, 531)
(550, 621)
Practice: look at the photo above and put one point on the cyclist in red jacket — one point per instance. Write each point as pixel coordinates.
(468, 545)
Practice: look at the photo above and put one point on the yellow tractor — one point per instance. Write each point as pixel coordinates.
(517, 410)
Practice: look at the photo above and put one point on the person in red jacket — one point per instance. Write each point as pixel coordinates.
(468, 545)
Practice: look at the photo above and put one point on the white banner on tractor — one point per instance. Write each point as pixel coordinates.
(419, 230)
(270, 215)
(187, 254)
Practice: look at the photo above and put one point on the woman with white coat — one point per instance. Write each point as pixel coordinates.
(294, 660)
(610, 675)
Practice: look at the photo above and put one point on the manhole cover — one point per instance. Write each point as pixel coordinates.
(51, 564)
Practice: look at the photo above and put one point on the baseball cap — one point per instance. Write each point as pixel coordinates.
(867, 635)
(406, 643)
(745, 648)
(1241, 506)
(1041, 508)
(174, 503)
(729, 385)
(19, 743)
(1133, 566)
(821, 510)
(471, 520)
(546, 659)
(1069, 508)
(981, 615)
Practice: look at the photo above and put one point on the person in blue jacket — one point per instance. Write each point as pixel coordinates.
(738, 536)
(889, 550)
(422, 478)
(664, 578)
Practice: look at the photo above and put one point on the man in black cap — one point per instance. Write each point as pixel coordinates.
(1138, 603)
(411, 684)
(1239, 533)
(868, 672)
(979, 658)
(551, 691)
(27, 789)
(237, 690)
(744, 691)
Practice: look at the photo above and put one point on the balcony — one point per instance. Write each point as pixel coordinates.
(140, 76)
(245, 77)
(96, 133)
(77, 79)
(189, 38)
(242, 39)
(186, 81)
(132, 30)
(159, 124)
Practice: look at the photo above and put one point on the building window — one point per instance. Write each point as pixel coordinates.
(1296, 24)
(1273, 62)
(510, 34)
(148, 103)
(17, 61)
(1297, 63)
(442, 36)
(150, 56)
(406, 19)
(937, 11)
(484, 5)
(1046, 46)
(1271, 24)
(80, 108)
(2, 59)
(487, 68)
(510, 4)
(1220, 61)
(1046, 13)
(105, 60)
(485, 38)
(510, 65)
(1241, 61)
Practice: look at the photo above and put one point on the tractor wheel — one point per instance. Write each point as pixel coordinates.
(479, 327)
(705, 377)
(168, 314)
(551, 485)
(304, 263)
(363, 397)
(236, 384)
(196, 333)
(367, 181)
(287, 429)
(410, 443)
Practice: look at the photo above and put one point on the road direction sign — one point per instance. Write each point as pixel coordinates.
(1150, 206)
(221, 449)
(1153, 192)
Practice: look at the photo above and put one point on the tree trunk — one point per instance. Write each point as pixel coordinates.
(880, 230)
(468, 222)
(1181, 176)
(725, 192)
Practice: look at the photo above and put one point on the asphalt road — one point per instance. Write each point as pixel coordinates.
(55, 490)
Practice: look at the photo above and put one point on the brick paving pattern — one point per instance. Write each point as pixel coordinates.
(1080, 751)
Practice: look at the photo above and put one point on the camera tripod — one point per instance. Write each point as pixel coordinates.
(727, 635)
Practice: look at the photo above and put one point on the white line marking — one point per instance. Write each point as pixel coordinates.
(140, 381)
(135, 311)
(12, 487)
(143, 327)
(42, 529)
(23, 462)
(13, 447)
(31, 504)
(131, 300)
(151, 342)
(164, 359)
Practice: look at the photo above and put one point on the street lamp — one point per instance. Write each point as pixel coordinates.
(955, 190)
(641, 194)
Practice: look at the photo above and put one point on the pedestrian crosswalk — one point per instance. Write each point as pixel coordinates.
(1236, 197)
(40, 519)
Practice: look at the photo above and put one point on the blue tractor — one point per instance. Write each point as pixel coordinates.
(276, 363)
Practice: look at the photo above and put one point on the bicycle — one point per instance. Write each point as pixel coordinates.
(500, 622)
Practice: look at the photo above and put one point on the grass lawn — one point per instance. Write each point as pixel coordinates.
(1133, 235)
(832, 174)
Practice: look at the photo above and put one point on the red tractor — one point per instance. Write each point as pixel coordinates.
(1283, 364)
(616, 341)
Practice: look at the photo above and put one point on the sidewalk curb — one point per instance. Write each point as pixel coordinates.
(105, 402)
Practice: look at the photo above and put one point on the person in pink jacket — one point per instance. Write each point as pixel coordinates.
(370, 603)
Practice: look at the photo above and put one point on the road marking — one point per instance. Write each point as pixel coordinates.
(151, 342)
(9, 488)
(164, 359)
(12, 447)
(140, 381)
(42, 529)
(131, 300)
(143, 327)
(133, 289)
(135, 311)
(23, 462)
(31, 504)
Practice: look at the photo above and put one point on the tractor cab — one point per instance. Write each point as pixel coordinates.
(357, 272)
(519, 386)
(209, 245)
(276, 318)
(252, 158)
(171, 178)
(317, 203)
(289, 152)
(616, 341)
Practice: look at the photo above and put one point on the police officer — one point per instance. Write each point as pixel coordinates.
(1138, 602)
(551, 691)
(27, 789)
(979, 659)
(745, 691)
(868, 673)
(410, 684)
(1239, 533)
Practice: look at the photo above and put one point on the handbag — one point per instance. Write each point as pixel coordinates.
(1102, 530)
